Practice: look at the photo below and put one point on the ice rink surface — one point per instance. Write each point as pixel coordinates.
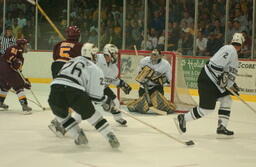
(26, 141)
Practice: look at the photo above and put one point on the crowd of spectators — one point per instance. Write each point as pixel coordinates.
(210, 33)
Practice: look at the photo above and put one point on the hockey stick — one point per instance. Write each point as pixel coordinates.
(23, 78)
(147, 94)
(250, 107)
(47, 18)
(187, 143)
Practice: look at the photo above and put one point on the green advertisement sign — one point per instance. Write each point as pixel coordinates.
(191, 69)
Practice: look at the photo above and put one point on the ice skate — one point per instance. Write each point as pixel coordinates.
(56, 128)
(180, 123)
(113, 140)
(3, 106)
(121, 121)
(224, 133)
(81, 139)
(26, 109)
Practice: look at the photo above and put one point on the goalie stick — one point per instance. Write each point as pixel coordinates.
(250, 107)
(187, 143)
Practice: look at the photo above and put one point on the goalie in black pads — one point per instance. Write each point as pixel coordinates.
(154, 72)
(78, 83)
(217, 75)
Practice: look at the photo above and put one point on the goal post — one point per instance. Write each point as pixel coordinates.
(176, 92)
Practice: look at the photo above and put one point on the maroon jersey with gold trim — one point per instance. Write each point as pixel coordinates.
(65, 50)
(12, 53)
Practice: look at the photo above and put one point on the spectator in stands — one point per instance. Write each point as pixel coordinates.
(186, 43)
(16, 28)
(238, 27)
(93, 37)
(186, 20)
(215, 41)
(158, 21)
(153, 37)
(135, 32)
(246, 49)
(241, 17)
(201, 44)
(22, 21)
(146, 44)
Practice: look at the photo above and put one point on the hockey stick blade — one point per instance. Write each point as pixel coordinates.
(189, 143)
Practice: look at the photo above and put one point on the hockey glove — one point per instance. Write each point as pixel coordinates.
(16, 64)
(223, 80)
(27, 84)
(108, 104)
(235, 89)
(124, 86)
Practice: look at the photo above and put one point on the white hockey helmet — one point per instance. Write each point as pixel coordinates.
(89, 50)
(238, 38)
(111, 50)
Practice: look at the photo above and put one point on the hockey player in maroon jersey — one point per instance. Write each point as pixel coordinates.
(67, 49)
(10, 63)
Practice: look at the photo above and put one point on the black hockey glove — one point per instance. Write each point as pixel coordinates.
(16, 64)
(235, 89)
(124, 86)
(108, 104)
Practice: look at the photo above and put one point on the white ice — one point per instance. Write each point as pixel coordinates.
(26, 141)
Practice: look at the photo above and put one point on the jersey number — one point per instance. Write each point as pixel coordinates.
(76, 68)
(65, 52)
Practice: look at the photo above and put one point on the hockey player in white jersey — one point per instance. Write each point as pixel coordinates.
(79, 83)
(107, 61)
(161, 67)
(217, 75)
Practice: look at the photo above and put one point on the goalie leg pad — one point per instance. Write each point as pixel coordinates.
(140, 105)
(161, 103)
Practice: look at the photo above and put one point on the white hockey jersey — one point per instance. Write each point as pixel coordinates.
(163, 67)
(224, 60)
(110, 70)
(82, 74)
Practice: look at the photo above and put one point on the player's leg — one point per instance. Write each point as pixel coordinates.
(64, 123)
(207, 100)
(83, 106)
(3, 94)
(224, 114)
(116, 114)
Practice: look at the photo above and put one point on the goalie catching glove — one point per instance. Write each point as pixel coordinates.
(124, 86)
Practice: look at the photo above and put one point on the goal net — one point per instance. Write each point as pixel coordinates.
(177, 92)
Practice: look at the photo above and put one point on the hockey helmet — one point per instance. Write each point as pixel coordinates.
(111, 50)
(238, 38)
(73, 32)
(89, 50)
(20, 42)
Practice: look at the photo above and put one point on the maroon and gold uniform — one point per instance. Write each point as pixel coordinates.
(65, 50)
(10, 63)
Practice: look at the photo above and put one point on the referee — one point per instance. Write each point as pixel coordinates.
(6, 40)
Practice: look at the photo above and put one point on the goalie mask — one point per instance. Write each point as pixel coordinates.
(155, 56)
(89, 50)
(112, 51)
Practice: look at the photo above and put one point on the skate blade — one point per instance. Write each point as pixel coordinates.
(221, 136)
(27, 112)
(53, 129)
(177, 125)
